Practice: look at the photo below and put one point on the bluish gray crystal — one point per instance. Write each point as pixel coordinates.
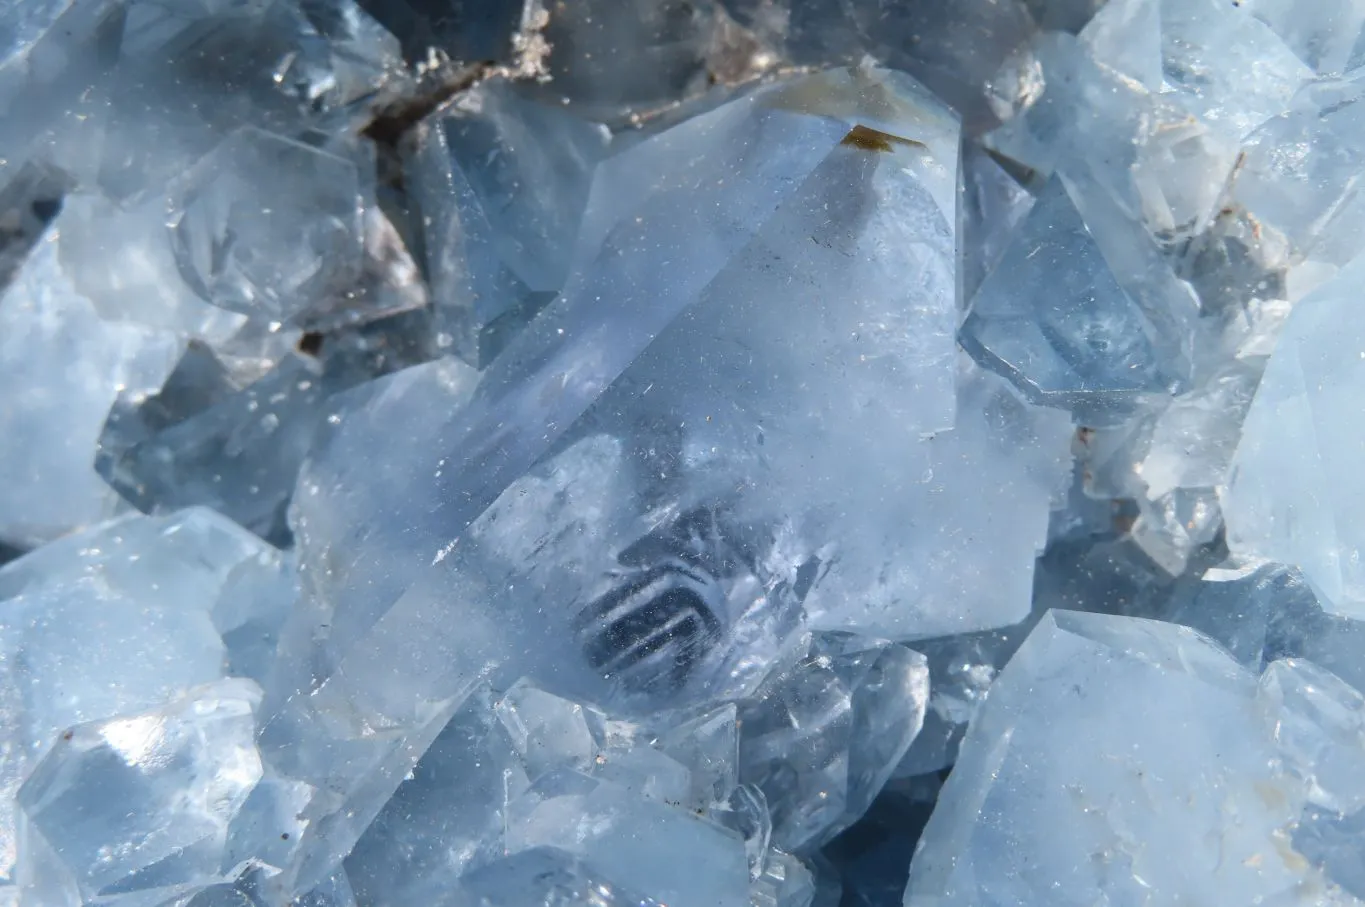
(1262, 612)
(501, 183)
(993, 204)
(267, 226)
(54, 66)
(238, 454)
(1081, 312)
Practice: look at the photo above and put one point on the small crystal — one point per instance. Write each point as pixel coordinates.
(267, 226)
(139, 806)
(1080, 312)
(822, 740)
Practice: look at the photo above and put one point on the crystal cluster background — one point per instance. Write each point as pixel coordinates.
(682, 453)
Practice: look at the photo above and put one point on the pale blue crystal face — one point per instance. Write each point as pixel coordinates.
(70, 365)
(189, 766)
(501, 183)
(267, 226)
(1225, 65)
(186, 79)
(1292, 494)
(1146, 771)
(1073, 327)
(1327, 38)
(1309, 199)
(122, 619)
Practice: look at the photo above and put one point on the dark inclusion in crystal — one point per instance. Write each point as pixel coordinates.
(650, 630)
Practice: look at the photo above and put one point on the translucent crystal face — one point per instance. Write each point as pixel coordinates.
(1074, 325)
(268, 226)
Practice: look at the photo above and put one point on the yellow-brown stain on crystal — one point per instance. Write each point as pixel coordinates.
(869, 139)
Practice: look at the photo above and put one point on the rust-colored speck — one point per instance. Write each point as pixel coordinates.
(869, 139)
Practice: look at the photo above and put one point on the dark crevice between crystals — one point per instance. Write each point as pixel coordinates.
(395, 119)
(871, 858)
(9, 552)
(310, 344)
(30, 202)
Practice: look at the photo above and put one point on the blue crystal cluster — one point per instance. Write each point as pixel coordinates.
(681, 453)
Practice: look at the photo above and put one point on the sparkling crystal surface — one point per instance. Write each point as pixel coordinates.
(67, 366)
(680, 452)
(189, 765)
(1173, 705)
